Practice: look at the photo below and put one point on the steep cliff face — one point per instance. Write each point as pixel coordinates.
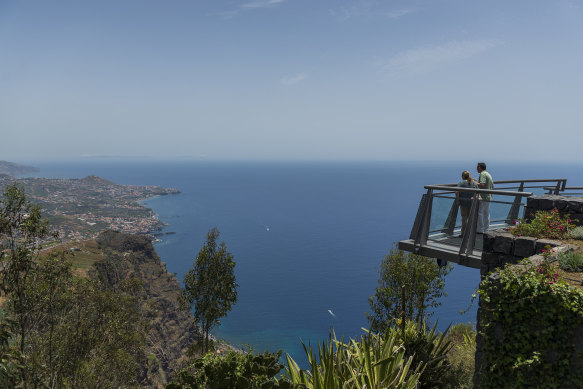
(172, 330)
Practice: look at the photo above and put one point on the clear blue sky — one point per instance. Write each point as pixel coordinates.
(292, 79)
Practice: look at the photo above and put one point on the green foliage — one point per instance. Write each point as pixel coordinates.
(233, 370)
(197, 348)
(461, 355)
(84, 335)
(373, 361)
(545, 225)
(427, 348)
(528, 323)
(545, 271)
(577, 233)
(21, 230)
(63, 331)
(571, 261)
(101, 337)
(48, 283)
(424, 280)
(9, 367)
(210, 285)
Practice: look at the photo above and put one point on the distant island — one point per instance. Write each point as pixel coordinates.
(14, 169)
(79, 209)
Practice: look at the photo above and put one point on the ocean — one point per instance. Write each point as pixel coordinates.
(307, 237)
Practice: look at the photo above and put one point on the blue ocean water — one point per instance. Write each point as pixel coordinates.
(308, 238)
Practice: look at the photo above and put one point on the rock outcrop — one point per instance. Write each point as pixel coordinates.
(172, 329)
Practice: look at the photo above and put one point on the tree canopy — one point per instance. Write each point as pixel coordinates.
(59, 330)
(424, 282)
(210, 285)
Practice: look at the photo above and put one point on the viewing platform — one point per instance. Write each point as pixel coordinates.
(436, 231)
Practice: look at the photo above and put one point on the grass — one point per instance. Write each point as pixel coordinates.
(461, 356)
(572, 277)
(82, 254)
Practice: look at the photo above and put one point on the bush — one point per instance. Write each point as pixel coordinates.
(529, 327)
(9, 368)
(373, 361)
(571, 262)
(545, 225)
(428, 349)
(577, 233)
(232, 370)
(462, 354)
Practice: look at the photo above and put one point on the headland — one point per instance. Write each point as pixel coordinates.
(79, 209)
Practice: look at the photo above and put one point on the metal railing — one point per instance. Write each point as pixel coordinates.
(512, 190)
(560, 184)
(566, 191)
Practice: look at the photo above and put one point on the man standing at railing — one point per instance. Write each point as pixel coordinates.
(484, 182)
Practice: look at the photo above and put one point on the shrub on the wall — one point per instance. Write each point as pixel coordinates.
(545, 225)
(529, 323)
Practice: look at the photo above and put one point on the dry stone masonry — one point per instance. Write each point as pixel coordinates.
(501, 247)
(571, 206)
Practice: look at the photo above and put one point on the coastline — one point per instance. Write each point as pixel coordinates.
(81, 208)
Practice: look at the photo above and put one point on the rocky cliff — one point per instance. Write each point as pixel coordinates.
(172, 330)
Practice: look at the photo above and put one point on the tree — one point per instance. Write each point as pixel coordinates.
(210, 285)
(424, 282)
(233, 369)
(21, 230)
(47, 284)
(60, 330)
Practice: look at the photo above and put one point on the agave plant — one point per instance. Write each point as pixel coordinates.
(373, 361)
(428, 348)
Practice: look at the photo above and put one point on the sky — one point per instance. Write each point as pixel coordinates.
(292, 79)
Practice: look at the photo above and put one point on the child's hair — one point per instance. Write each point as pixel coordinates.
(466, 176)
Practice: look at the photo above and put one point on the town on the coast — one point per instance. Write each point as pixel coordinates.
(78, 209)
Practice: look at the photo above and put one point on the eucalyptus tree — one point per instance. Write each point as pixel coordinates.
(210, 285)
(423, 280)
(61, 330)
(21, 230)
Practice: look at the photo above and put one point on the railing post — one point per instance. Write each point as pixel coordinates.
(515, 208)
(418, 217)
(424, 215)
(451, 219)
(469, 237)
(558, 187)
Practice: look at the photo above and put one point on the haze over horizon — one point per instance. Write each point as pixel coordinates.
(292, 80)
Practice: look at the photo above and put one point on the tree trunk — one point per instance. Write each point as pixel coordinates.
(206, 342)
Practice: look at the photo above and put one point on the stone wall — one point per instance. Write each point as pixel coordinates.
(572, 206)
(501, 247)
